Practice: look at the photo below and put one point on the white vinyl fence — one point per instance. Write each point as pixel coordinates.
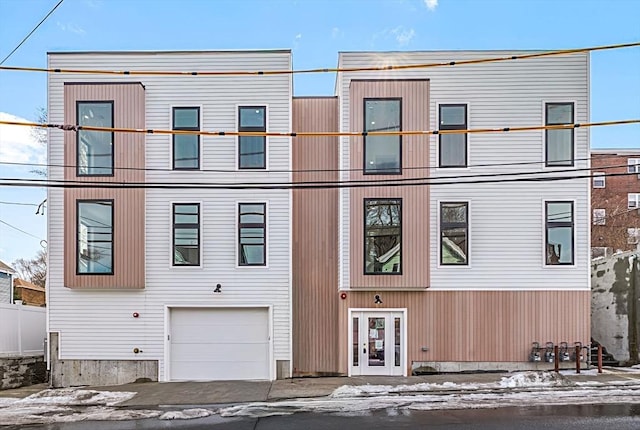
(22, 329)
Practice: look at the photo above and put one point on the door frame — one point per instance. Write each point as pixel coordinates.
(166, 375)
(403, 346)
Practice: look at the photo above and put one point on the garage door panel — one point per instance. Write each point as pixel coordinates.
(219, 344)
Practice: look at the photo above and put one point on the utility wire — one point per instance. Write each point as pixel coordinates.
(324, 70)
(18, 203)
(20, 230)
(31, 32)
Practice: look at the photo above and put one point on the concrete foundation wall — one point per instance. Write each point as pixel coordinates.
(615, 306)
(70, 373)
(418, 368)
(18, 372)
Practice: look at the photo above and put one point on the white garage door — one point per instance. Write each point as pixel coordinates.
(209, 344)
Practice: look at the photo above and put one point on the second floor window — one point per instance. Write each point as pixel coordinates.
(453, 147)
(186, 147)
(454, 233)
(382, 154)
(186, 234)
(94, 149)
(599, 217)
(599, 180)
(252, 150)
(95, 237)
(559, 143)
(633, 200)
(252, 234)
(634, 165)
(382, 236)
(559, 234)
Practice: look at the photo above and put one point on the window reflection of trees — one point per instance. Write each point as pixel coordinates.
(383, 236)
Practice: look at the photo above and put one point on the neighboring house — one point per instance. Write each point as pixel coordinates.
(615, 201)
(169, 284)
(483, 269)
(29, 293)
(7, 274)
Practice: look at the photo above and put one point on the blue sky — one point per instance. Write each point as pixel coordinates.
(316, 30)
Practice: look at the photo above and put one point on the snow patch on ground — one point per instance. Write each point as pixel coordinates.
(76, 397)
(533, 379)
(186, 414)
(346, 391)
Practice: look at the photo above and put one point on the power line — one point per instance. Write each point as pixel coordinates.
(568, 126)
(291, 186)
(20, 230)
(326, 69)
(31, 32)
(18, 203)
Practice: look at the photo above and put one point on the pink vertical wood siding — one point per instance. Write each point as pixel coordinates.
(415, 199)
(315, 239)
(486, 326)
(129, 205)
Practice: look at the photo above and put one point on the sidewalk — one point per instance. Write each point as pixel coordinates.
(154, 394)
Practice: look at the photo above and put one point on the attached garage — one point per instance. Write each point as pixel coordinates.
(208, 344)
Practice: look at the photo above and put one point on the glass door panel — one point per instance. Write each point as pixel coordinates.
(376, 341)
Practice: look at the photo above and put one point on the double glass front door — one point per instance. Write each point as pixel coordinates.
(377, 343)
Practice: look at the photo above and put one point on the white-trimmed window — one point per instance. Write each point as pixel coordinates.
(559, 233)
(599, 217)
(599, 180)
(634, 165)
(633, 200)
(186, 234)
(633, 235)
(559, 143)
(186, 147)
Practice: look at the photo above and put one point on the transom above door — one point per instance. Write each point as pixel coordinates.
(378, 342)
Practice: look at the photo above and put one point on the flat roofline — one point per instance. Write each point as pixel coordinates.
(315, 97)
(152, 52)
(622, 151)
(451, 50)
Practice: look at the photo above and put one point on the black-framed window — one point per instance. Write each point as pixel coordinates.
(559, 148)
(186, 147)
(452, 148)
(454, 233)
(252, 234)
(382, 236)
(94, 237)
(94, 149)
(382, 154)
(252, 150)
(186, 234)
(559, 227)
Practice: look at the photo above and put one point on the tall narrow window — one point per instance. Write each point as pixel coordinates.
(382, 154)
(186, 147)
(559, 143)
(454, 232)
(252, 149)
(382, 236)
(94, 149)
(559, 235)
(95, 237)
(252, 234)
(186, 234)
(453, 147)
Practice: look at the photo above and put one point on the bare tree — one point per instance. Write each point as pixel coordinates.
(33, 270)
(612, 231)
(40, 136)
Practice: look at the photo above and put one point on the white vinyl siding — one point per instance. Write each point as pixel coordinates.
(507, 239)
(98, 324)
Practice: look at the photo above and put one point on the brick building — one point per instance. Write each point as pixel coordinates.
(615, 201)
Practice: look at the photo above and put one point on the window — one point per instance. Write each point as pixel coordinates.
(633, 200)
(186, 147)
(382, 154)
(186, 234)
(599, 180)
(252, 234)
(599, 217)
(559, 235)
(95, 237)
(634, 165)
(559, 143)
(382, 236)
(633, 236)
(252, 149)
(454, 232)
(453, 147)
(94, 149)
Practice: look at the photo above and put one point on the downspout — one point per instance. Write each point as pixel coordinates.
(634, 310)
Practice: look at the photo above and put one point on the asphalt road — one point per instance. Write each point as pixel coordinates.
(583, 417)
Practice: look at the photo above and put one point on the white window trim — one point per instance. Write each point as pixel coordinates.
(436, 159)
(599, 176)
(633, 232)
(576, 255)
(267, 233)
(544, 134)
(200, 244)
(438, 236)
(266, 139)
(631, 197)
(200, 141)
(633, 165)
(600, 220)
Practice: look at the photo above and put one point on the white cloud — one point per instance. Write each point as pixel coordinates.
(403, 35)
(17, 143)
(72, 28)
(298, 36)
(431, 4)
(335, 32)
